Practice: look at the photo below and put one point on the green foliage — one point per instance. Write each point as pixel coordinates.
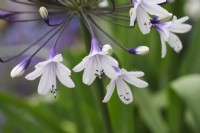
(169, 105)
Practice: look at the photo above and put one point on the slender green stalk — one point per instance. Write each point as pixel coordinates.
(99, 91)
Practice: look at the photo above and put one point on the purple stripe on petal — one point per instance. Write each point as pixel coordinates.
(94, 46)
(117, 69)
(52, 53)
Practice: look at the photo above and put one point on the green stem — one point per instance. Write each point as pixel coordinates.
(103, 107)
(99, 91)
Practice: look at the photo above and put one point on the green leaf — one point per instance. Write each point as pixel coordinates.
(188, 89)
(149, 111)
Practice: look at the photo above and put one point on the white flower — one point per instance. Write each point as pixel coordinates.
(192, 8)
(49, 70)
(123, 89)
(96, 63)
(141, 11)
(167, 30)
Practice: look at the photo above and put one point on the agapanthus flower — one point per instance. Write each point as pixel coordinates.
(49, 70)
(141, 11)
(167, 30)
(54, 19)
(120, 81)
(96, 63)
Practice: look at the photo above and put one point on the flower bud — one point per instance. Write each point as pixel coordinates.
(141, 50)
(107, 48)
(44, 14)
(20, 68)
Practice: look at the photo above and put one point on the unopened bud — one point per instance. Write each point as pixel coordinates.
(141, 50)
(107, 48)
(20, 68)
(44, 14)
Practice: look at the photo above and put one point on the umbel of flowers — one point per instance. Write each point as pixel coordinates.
(147, 14)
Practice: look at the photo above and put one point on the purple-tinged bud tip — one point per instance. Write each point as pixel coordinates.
(20, 68)
(140, 50)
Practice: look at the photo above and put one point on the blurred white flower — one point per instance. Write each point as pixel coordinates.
(192, 8)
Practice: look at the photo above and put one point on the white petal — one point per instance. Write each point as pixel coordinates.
(63, 73)
(135, 81)
(180, 28)
(111, 60)
(110, 88)
(133, 15)
(124, 92)
(143, 20)
(163, 46)
(175, 42)
(135, 73)
(42, 64)
(108, 66)
(81, 65)
(155, 1)
(52, 75)
(57, 58)
(44, 86)
(89, 73)
(67, 70)
(182, 20)
(164, 33)
(155, 9)
(35, 74)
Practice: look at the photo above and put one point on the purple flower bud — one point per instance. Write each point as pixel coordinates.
(20, 68)
(141, 50)
(95, 46)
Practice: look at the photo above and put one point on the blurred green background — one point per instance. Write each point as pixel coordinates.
(171, 103)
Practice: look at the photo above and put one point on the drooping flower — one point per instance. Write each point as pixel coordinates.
(141, 11)
(167, 30)
(123, 90)
(49, 70)
(96, 63)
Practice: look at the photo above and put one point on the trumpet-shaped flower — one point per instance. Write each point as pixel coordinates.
(49, 70)
(141, 11)
(96, 63)
(123, 89)
(167, 30)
